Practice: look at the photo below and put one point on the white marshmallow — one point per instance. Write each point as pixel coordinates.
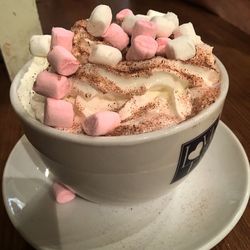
(40, 45)
(104, 54)
(170, 16)
(187, 29)
(128, 23)
(181, 48)
(182, 103)
(164, 27)
(142, 17)
(153, 13)
(197, 40)
(99, 20)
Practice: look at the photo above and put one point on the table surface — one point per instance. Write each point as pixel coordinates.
(231, 45)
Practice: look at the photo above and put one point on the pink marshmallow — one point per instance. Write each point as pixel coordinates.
(52, 85)
(58, 113)
(62, 194)
(62, 61)
(116, 36)
(62, 37)
(142, 48)
(101, 123)
(122, 14)
(144, 27)
(162, 46)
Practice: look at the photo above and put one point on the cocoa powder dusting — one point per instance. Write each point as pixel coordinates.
(153, 115)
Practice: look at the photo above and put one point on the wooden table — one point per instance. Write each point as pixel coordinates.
(230, 44)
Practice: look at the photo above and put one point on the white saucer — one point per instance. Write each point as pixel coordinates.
(197, 215)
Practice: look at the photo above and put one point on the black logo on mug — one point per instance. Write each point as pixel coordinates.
(192, 152)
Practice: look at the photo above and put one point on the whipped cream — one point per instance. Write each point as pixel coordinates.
(32, 102)
(148, 95)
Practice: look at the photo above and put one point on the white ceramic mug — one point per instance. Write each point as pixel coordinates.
(131, 168)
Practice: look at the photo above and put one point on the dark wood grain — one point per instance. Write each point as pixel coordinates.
(231, 45)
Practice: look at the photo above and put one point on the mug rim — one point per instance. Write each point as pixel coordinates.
(114, 140)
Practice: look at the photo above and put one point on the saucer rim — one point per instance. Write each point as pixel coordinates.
(245, 197)
(209, 243)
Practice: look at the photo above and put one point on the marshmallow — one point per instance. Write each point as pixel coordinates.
(116, 36)
(40, 45)
(62, 37)
(58, 113)
(187, 29)
(153, 13)
(52, 85)
(144, 27)
(62, 61)
(101, 123)
(129, 22)
(182, 48)
(122, 14)
(197, 40)
(62, 194)
(142, 48)
(142, 17)
(170, 16)
(162, 45)
(99, 20)
(164, 27)
(104, 54)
